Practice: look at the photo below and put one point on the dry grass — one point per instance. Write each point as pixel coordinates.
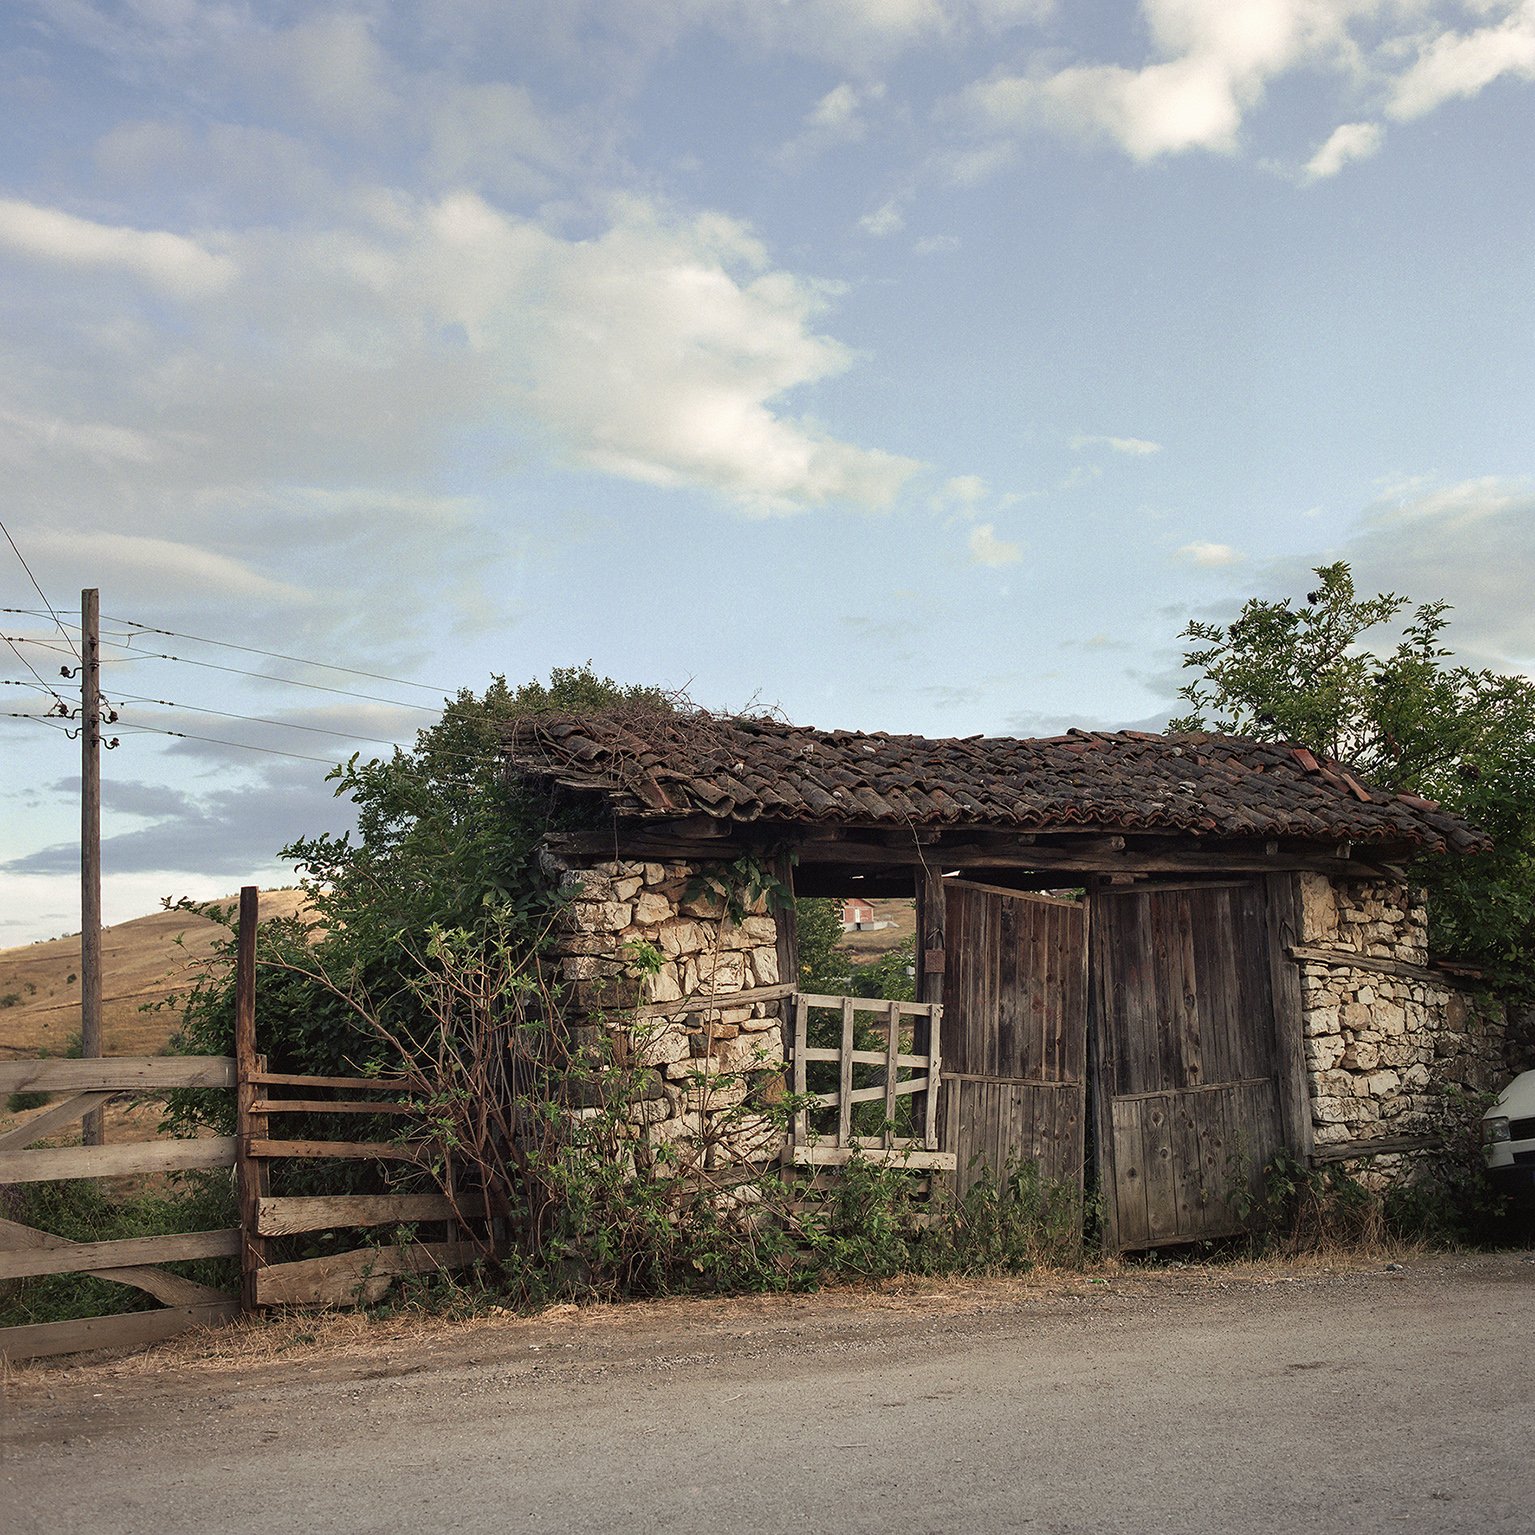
(900, 912)
(142, 963)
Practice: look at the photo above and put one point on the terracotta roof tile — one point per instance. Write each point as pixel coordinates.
(752, 769)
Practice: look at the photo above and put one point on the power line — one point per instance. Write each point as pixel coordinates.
(243, 746)
(35, 587)
(37, 719)
(292, 682)
(277, 655)
(12, 641)
(251, 719)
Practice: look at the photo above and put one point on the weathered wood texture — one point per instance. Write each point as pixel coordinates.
(50, 1163)
(52, 1119)
(127, 1252)
(1014, 1034)
(1188, 1064)
(294, 1214)
(40, 1340)
(125, 1073)
(1351, 959)
(252, 1176)
(360, 1276)
(172, 1289)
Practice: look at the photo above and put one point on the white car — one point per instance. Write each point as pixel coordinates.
(1508, 1141)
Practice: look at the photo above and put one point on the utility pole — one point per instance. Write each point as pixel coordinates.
(90, 840)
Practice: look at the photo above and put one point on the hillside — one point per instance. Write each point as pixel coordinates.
(143, 962)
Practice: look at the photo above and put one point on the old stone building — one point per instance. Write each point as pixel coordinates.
(1240, 966)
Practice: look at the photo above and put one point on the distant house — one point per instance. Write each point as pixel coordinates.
(858, 917)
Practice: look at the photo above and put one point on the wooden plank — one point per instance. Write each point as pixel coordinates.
(840, 1156)
(1284, 926)
(801, 1028)
(1157, 1170)
(261, 1077)
(863, 1004)
(169, 1288)
(126, 1252)
(963, 1076)
(892, 1067)
(335, 1151)
(1203, 1087)
(51, 1163)
(865, 1057)
(328, 1106)
(116, 1073)
(41, 1340)
(845, 1079)
(1390, 1145)
(874, 1094)
(53, 1118)
(1012, 894)
(1103, 984)
(704, 1004)
(294, 1214)
(1128, 1193)
(341, 1279)
(252, 1176)
(1348, 959)
(927, 1106)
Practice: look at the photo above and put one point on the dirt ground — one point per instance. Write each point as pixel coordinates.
(1349, 1396)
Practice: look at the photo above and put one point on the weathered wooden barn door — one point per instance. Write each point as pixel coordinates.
(1189, 1069)
(1014, 1032)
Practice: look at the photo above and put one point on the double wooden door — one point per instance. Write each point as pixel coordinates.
(1192, 1081)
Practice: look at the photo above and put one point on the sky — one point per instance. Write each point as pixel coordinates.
(911, 365)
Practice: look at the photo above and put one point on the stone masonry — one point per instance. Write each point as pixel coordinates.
(641, 935)
(1381, 1049)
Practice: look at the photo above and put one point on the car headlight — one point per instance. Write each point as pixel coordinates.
(1494, 1130)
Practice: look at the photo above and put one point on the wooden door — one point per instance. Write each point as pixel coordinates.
(1189, 1098)
(1014, 1032)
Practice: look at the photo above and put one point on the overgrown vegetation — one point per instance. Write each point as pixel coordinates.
(1371, 681)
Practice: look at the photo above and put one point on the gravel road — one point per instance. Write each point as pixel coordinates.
(1184, 1400)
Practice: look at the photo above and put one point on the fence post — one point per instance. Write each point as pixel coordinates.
(251, 1174)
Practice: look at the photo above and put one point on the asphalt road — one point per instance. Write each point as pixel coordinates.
(1184, 1401)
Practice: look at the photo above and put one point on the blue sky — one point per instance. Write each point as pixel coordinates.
(902, 364)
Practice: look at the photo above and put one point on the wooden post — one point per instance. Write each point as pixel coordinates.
(1286, 928)
(932, 959)
(90, 843)
(251, 1174)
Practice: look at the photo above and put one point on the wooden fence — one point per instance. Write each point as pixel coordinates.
(26, 1252)
(838, 1143)
(358, 1275)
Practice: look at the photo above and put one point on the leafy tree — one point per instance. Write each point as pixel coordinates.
(1371, 682)
(444, 837)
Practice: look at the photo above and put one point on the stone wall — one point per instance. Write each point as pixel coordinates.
(641, 935)
(1380, 1048)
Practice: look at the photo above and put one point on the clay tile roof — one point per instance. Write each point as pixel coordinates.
(742, 769)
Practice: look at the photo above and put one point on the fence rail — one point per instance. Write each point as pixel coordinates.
(811, 1147)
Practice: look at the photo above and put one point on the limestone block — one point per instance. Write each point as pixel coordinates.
(1360, 1056)
(662, 1044)
(1365, 996)
(682, 935)
(1416, 1077)
(626, 889)
(1328, 1110)
(692, 1066)
(716, 1094)
(1323, 1053)
(1322, 1020)
(760, 1021)
(586, 885)
(760, 929)
(600, 916)
(587, 967)
(651, 909)
(1382, 1082)
(750, 1052)
(664, 985)
(764, 963)
(653, 873)
(702, 903)
(720, 972)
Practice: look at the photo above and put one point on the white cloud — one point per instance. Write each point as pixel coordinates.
(1209, 556)
(987, 549)
(962, 496)
(1349, 141)
(1135, 447)
(131, 557)
(888, 219)
(1460, 64)
(935, 245)
(837, 118)
(167, 261)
